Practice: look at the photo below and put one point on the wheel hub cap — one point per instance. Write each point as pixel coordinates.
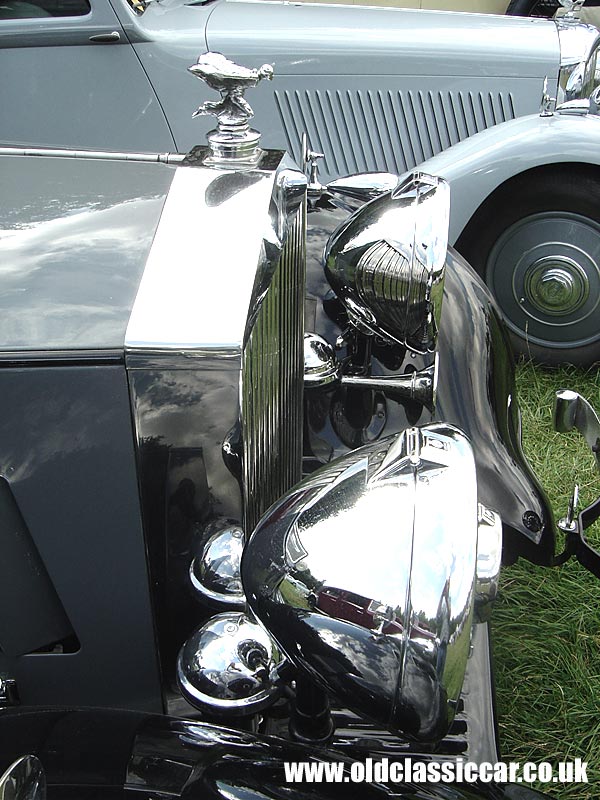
(545, 273)
(556, 285)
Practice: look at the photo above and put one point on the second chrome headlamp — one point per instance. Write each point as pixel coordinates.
(386, 262)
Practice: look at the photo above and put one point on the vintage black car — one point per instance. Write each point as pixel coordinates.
(252, 509)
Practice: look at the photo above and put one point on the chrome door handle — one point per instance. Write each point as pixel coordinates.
(113, 36)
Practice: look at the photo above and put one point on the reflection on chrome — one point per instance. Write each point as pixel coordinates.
(489, 561)
(228, 666)
(321, 367)
(350, 191)
(233, 143)
(362, 187)
(215, 571)
(578, 58)
(386, 263)
(419, 386)
(571, 411)
(365, 575)
(24, 780)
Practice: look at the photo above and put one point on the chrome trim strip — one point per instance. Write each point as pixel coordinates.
(38, 358)
(478, 700)
(44, 152)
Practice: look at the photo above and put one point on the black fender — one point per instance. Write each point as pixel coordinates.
(475, 391)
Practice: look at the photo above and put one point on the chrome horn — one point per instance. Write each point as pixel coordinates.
(215, 569)
(321, 368)
(366, 573)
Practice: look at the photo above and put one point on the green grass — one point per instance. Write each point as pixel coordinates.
(546, 623)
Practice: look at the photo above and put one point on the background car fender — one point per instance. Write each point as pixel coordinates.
(525, 212)
(478, 166)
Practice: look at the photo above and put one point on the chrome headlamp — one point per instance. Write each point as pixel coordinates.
(386, 263)
(368, 573)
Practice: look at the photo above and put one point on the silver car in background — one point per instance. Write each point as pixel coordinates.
(375, 89)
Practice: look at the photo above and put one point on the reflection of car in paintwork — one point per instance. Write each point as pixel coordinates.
(546, 8)
(472, 6)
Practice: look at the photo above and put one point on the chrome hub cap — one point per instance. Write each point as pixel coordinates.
(556, 285)
(545, 274)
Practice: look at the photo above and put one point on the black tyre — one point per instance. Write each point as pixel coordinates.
(536, 243)
(532, 8)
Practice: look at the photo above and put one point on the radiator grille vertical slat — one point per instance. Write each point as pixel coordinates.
(272, 381)
(363, 130)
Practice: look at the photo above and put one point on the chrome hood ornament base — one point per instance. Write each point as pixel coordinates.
(233, 140)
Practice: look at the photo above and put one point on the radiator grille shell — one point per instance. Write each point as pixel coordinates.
(214, 353)
(272, 380)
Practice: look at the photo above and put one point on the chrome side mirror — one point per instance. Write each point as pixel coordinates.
(365, 574)
(386, 263)
(350, 191)
(24, 780)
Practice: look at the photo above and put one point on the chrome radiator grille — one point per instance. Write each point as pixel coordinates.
(272, 380)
